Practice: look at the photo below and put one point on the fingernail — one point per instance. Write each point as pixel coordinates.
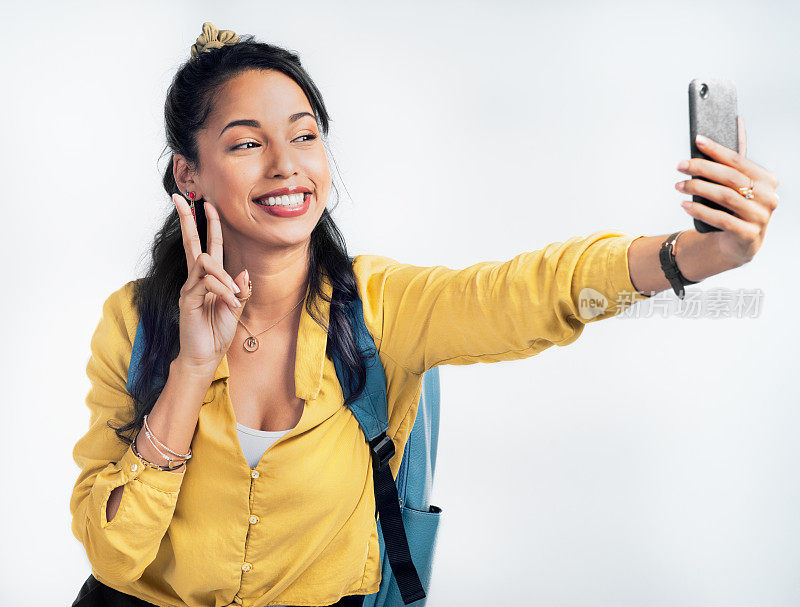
(686, 205)
(701, 139)
(247, 278)
(683, 165)
(236, 288)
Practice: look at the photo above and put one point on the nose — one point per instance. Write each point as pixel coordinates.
(281, 161)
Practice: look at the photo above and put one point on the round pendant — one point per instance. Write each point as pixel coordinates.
(251, 344)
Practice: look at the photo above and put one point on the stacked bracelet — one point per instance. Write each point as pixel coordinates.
(151, 464)
(153, 440)
(155, 443)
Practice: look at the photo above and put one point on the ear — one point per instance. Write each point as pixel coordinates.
(184, 175)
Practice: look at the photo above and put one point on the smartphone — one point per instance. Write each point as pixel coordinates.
(713, 113)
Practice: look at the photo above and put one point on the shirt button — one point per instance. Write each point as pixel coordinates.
(246, 567)
(134, 467)
(254, 474)
(253, 519)
(237, 600)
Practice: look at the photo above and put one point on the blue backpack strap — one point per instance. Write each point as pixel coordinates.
(136, 356)
(371, 410)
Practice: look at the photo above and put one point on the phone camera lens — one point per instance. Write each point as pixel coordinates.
(703, 91)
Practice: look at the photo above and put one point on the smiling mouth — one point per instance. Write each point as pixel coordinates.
(290, 201)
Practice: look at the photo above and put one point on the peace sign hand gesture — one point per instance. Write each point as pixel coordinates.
(209, 305)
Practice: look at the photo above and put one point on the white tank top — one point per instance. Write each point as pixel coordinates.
(256, 442)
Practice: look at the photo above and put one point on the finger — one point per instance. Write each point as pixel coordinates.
(191, 239)
(716, 172)
(212, 284)
(764, 193)
(243, 281)
(718, 219)
(725, 155)
(750, 210)
(742, 137)
(194, 296)
(215, 241)
(206, 265)
(214, 231)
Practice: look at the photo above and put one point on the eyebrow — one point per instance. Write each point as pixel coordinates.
(256, 124)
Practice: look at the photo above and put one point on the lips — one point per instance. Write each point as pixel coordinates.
(295, 189)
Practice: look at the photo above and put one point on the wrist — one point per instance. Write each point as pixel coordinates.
(697, 255)
(146, 450)
(183, 368)
(189, 385)
(689, 252)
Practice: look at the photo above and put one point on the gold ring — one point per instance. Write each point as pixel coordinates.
(747, 192)
(249, 292)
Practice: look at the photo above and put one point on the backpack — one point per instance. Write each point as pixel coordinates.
(407, 522)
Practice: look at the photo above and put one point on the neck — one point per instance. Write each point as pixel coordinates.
(279, 282)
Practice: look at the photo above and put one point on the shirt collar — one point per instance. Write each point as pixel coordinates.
(312, 340)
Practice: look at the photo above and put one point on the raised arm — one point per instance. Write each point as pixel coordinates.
(494, 311)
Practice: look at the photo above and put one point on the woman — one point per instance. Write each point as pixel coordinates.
(251, 482)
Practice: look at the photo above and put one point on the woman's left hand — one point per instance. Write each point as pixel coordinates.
(743, 231)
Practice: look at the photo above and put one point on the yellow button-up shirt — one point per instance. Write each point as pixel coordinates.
(300, 528)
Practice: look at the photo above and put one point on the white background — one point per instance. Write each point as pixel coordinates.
(652, 462)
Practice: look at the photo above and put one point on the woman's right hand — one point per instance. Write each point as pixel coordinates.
(209, 306)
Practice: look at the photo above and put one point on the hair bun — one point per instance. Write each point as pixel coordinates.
(212, 38)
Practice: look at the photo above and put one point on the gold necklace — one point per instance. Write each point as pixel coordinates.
(251, 343)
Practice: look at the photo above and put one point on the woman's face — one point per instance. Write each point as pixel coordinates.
(281, 147)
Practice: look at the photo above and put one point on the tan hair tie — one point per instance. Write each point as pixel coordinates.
(212, 38)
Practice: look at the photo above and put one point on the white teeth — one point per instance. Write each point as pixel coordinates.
(293, 200)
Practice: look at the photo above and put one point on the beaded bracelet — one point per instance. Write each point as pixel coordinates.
(151, 464)
(154, 440)
(150, 436)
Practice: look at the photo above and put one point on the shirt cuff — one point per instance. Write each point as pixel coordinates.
(621, 282)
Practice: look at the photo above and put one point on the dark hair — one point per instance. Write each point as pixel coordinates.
(189, 102)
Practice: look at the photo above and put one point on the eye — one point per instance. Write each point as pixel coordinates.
(236, 147)
(311, 136)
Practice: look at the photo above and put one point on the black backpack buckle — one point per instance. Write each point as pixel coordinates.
(382, 448)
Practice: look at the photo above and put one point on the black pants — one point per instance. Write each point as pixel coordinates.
(95, 593)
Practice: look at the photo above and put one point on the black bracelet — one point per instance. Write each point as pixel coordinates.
(150, 464)
(667, 257)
